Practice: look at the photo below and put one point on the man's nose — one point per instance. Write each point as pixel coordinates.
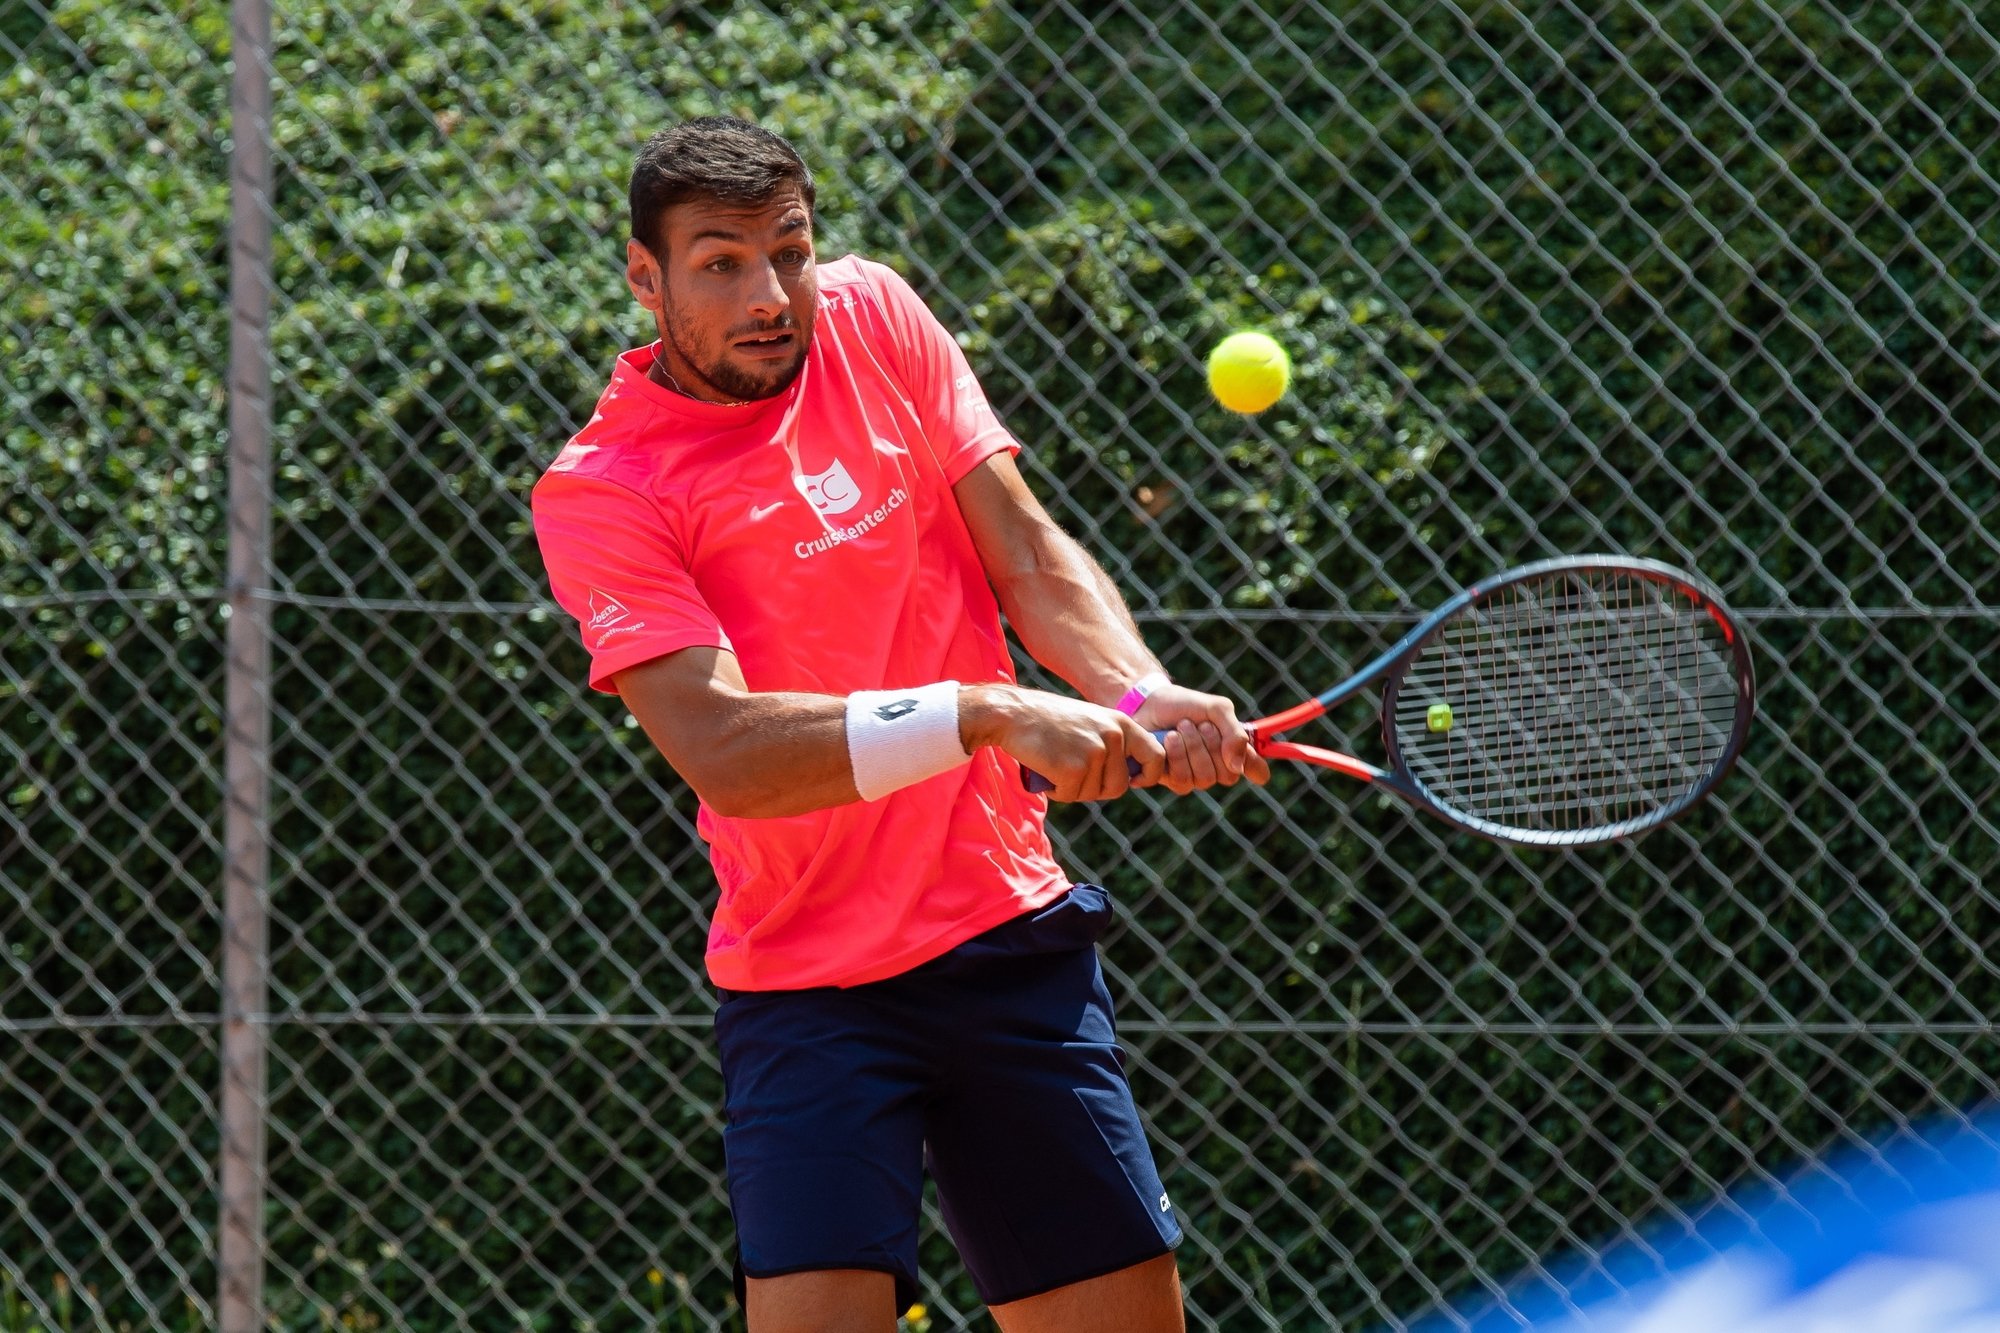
(767, 294)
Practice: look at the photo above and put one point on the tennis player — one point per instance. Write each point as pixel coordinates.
(789, 533)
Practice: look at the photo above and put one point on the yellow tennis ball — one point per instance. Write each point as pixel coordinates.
(1247, 372)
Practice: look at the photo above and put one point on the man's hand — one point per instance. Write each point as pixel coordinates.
(1205, 745)
(1076, 745)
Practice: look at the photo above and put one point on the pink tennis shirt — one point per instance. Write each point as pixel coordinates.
(815, 535)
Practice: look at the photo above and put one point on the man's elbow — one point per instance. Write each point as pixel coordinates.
(735, 788)
(725, 784)
(709, 742)
(750, 803)
(734, 800)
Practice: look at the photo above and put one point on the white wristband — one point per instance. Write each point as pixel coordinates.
(897, 737)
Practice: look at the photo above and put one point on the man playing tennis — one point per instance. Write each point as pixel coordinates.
(788, 533)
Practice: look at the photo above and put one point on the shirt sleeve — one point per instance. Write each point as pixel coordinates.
(961, 424)
(616, 566)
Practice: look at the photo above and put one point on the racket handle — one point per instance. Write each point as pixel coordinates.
(1041, 786)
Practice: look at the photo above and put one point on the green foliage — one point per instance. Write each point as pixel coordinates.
(1680, 285)
(1131, 306)
(1627, 326)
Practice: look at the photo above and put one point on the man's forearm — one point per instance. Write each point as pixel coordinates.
(1071, 618)
(758, 756)
(767, 756)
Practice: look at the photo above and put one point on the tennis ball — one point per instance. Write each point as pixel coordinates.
(1438, 717)
(1248, 371)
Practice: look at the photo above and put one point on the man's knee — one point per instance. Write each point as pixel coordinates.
(1145, 1298)
(837, 1300)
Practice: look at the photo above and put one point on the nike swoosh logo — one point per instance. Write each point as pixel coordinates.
(758, 513)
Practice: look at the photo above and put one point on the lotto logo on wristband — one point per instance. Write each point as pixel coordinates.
(897, 737)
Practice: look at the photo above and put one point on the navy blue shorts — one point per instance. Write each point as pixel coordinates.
(995, 1065)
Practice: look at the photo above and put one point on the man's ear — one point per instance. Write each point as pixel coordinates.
(643, 276)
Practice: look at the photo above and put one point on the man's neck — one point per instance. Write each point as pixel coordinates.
(660, 375)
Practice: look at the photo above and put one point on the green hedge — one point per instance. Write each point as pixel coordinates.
(1544, 295)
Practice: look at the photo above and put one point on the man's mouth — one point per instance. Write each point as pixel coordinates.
(762, 346)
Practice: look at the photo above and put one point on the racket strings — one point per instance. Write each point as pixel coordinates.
(1581, 700)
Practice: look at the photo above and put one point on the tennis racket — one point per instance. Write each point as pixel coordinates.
(1559, 704)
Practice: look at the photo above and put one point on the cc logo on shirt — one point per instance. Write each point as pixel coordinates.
(832, 491)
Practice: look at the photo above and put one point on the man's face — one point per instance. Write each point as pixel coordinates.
(734, 295)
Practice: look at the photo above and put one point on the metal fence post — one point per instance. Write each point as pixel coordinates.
(247, 711)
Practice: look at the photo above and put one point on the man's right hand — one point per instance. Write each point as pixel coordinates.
(1079, 746)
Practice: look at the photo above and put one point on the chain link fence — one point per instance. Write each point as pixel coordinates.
(1711, 282)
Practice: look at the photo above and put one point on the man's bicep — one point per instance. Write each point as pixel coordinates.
(686, 703)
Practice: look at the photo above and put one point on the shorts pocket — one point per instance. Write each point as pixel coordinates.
(1076, 920)
(1072, 922)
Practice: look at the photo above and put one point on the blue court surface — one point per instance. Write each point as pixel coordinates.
(1902, 1237)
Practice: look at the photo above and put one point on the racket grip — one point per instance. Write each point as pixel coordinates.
(1041, 786)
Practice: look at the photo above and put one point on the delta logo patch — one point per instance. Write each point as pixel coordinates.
(609, 617)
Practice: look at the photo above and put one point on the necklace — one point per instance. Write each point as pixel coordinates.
(738, 402)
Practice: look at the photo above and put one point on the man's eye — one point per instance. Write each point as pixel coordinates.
(720, 265)
(792, 257)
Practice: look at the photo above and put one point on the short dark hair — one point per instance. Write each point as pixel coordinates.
(711, 158)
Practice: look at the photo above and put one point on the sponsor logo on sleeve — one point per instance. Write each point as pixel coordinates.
(609, 618)
(966, 386)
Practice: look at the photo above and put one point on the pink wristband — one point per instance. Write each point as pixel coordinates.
(1142, 690)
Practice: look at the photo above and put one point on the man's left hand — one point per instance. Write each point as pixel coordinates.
(1206, 745)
